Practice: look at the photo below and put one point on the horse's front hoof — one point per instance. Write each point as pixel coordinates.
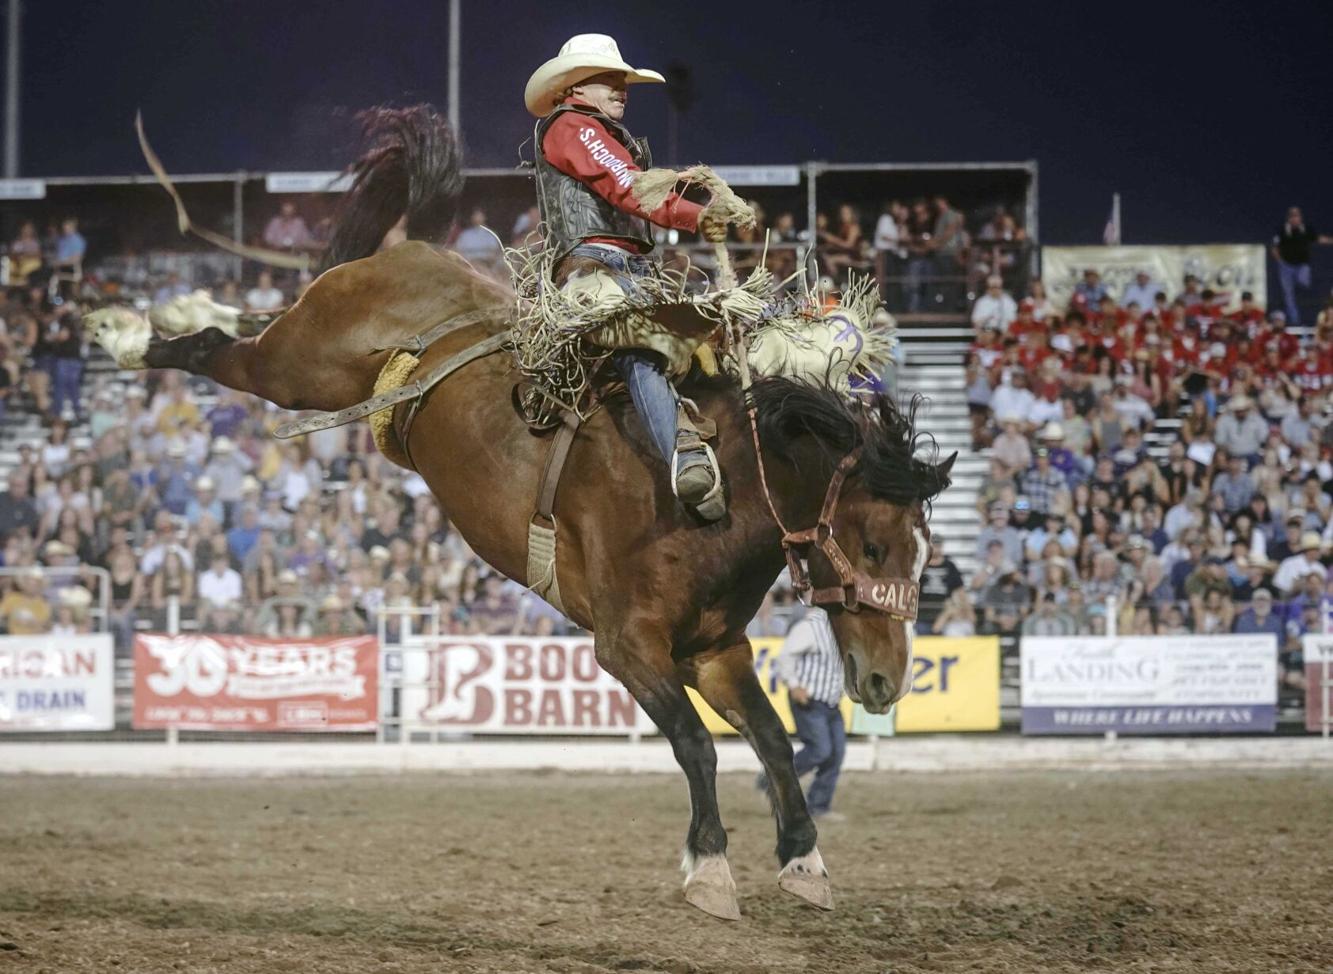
(807, 878)
(710, 888)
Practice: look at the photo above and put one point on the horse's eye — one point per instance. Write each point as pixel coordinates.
(871, 551)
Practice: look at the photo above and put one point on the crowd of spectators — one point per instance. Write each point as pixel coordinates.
(1227, 526)
(924, 254)
(182, 495)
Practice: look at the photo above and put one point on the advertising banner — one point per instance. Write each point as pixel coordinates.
(1148, 684)
(955, 685)
(1225, 268)
(255, 683)
(1318, 653)
(57, 683)
(515, 685)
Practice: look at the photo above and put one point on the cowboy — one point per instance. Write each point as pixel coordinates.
(587, 168)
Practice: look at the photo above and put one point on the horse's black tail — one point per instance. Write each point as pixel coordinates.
(412, 167)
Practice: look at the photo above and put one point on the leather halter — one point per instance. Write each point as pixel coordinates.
(896, 597)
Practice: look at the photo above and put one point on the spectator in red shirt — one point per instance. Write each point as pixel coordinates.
(1309, 370)
(1276, 332)
(1249, 315)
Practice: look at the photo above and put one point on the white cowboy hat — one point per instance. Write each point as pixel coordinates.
(581, 57)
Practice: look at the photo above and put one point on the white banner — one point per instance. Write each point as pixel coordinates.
(307, 182)
(56, 683)
(760, 175)
(22, 189)
(514, 685)
(1148, 684)
(1317, 648)
(1225, 268)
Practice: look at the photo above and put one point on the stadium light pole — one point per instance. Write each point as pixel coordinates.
(12, 45)
(455, 19)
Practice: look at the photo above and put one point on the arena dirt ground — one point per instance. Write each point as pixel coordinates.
(577, 874)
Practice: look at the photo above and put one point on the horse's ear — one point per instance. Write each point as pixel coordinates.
(942, 470)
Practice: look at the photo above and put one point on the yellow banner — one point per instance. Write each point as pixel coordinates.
(1226, 268)
(955, 686)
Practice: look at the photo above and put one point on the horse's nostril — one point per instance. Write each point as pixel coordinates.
(880, 687)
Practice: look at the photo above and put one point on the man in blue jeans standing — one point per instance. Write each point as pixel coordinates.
(811, 667)
(1291, 251)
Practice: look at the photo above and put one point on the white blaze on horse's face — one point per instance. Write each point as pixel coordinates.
(877, 647)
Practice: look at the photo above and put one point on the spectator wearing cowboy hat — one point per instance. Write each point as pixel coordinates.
(1241, 431)
(1305, 562)
(336, 619)
(272, 618)
(72, 615)
(204, 503)
(227, 467)
(1044, 485)
(1052, 439)
(1011, 447)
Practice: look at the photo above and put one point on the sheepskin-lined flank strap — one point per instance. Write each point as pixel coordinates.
(387, 400)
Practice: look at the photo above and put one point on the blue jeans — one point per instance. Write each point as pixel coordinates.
(1290, 275)
(919, 270)
(654, 399)
(821, 731)
(67, 374)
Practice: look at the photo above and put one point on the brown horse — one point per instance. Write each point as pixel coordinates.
(667, 596)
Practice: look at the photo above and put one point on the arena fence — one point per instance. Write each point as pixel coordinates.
(412, 682)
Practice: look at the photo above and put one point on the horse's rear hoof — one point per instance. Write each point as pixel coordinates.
(807, 878)
(710, 888)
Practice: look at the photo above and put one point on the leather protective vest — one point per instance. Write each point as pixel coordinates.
(571, 211)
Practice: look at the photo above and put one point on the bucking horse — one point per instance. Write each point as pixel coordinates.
(837, 489)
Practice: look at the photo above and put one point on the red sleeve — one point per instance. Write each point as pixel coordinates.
(581, 147)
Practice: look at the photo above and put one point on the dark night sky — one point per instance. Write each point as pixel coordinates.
(1209, 118)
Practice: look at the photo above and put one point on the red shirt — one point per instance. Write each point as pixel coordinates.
(1031, 356)
(1309, 374)
(1288, 345)
(581, 147)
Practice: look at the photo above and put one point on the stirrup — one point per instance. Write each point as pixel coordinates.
(712, 505)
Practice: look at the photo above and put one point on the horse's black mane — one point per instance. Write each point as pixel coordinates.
(790, 410)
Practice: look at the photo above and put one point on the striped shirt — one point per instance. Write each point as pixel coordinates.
(810, 658)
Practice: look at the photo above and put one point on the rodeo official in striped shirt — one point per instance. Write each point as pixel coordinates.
(811, 667)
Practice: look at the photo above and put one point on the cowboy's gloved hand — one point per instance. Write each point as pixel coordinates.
(713, 225)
